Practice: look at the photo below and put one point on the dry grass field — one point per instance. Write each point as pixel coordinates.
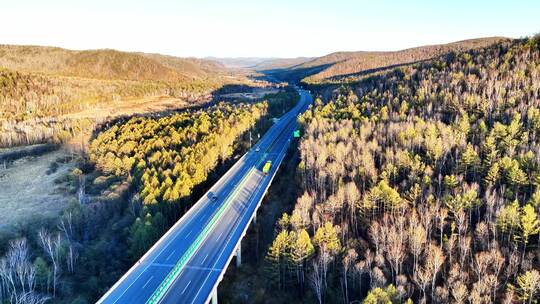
(24, 199)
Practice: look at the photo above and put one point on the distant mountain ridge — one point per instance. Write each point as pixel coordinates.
(239, 62)
(343, 64)
(259, 63)
(105, 64)
(112, 64)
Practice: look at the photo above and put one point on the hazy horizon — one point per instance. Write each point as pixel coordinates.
(211, 57)
(246, 29)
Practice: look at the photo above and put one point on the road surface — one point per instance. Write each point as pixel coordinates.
(188, 262)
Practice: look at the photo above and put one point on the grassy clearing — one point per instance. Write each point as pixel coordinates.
(29, 193)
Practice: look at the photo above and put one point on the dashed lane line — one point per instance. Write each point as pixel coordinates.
(150, 279)
(187, 285)
(170, 255)
(204, 260)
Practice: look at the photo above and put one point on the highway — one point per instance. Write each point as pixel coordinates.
(188, 262)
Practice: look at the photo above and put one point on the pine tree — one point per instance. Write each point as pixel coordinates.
(511, 140)
(380, 295)
(470, 159)
(42, 272)
(284, 222)
(528, 286)
(142, 235)
(513, 173)
(529, 224)
(276, 257)
(463, 125)
(508, 218)
(302, 248)
(489, 151)
(327, 239)
(492, 175)
(535, 198)
(383, 194)
(450, 182)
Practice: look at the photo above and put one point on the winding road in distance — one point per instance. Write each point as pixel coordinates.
(188, 262)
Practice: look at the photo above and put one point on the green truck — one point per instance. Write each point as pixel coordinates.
(267, 167)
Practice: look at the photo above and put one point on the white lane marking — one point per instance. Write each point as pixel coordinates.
(163, 265)
(187, 285)
(204, 268)
(158, 255)
(187, 235)
(170, 255)
(204, 260)
(219, 237)
(144, 286)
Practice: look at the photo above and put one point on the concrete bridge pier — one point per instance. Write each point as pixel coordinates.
(214, 296)
(239, 255)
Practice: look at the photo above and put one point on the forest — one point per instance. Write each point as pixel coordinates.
(54, 95)
(420, 184)
(37, 108)
(140, 175)
(169, 156)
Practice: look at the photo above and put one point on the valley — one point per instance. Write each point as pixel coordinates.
(309, 153)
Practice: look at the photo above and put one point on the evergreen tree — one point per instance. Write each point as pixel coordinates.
(327, 239)
(470, 160)
(380, 295)
(492, 175)
(508, 218)
(302, 248)
(43, 273)
(276, 257)
(529, 224)
(528, 286)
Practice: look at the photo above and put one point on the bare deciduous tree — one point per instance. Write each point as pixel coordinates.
(51, 244)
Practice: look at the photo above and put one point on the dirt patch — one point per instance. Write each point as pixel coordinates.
(130, 107)
(255, 95)
(28, 191)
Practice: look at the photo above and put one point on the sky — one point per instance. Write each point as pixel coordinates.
(251, 28)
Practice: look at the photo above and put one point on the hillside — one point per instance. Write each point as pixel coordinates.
(239, 62)
(104, 64)
(260, 63)
(281, 63)
(192, 67)
(337, 66)
(422, 183)
(51, 94)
